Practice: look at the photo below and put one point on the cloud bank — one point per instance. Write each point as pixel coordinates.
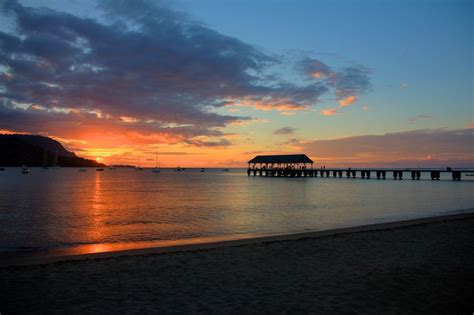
(144, 69)
(427, 147)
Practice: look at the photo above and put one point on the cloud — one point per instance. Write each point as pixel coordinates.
(315, 68)
(348, 81)
(404, 85)
(409, 148)
(294, 143)
(203, 143)
(282, 98)
(144, 72)
(284, 131)
(351, 99)
(329, 111)
(419, 117)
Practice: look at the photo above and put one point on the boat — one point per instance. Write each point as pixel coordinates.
(138, 167)
(225, 169)
(25, 170)
(83, 168)
(44, 161)
(178, 169)
(99, 169)
(157, 168)
(55, 161)
(203, 170)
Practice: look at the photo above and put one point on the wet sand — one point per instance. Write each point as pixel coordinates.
(423, 267)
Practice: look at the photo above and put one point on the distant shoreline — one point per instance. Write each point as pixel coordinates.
(129, 249)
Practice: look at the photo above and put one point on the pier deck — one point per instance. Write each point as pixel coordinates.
(300, 165)
(378, 173)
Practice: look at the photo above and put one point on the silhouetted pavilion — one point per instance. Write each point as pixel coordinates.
(279, 163)
(295, 165)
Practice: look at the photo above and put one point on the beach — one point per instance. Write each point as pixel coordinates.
(424, 267)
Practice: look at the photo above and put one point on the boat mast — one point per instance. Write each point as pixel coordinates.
(44, 158)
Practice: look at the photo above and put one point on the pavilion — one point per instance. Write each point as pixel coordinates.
(273, 165)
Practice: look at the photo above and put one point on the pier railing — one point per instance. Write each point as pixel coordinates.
(379, 173)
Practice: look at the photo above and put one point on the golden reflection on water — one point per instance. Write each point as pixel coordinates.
(97, 207)
(126, 209)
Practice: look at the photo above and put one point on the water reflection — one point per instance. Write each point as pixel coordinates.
(64, 207)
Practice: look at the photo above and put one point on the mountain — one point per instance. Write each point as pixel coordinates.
(29, 150)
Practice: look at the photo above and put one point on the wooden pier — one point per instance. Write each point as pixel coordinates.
(299, 165)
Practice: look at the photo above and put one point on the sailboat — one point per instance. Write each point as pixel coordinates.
(138, 168)
(25, 170)
(44, 161)
(55, 162)
(83, 168)
(156, 169)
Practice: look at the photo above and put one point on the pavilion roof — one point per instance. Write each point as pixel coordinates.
(289, 158)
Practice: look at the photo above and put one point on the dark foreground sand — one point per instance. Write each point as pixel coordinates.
(427, 268)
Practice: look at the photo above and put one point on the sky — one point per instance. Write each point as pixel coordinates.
(209, 83)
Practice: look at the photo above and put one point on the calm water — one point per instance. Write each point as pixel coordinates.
(64, 207)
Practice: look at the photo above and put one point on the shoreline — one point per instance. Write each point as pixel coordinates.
(196, 244)
(418, 266)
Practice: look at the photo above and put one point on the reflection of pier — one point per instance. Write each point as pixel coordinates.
(299, 165)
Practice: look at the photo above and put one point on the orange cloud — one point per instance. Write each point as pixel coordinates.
(268, 103)
(347, 101)
(329, 111)
(127, 119)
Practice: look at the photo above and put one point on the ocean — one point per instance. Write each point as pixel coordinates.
(64, 208)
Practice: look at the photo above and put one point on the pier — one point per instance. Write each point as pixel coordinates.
(300, 165)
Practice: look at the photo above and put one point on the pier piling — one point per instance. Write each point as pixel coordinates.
(456, 175)
(299, 165)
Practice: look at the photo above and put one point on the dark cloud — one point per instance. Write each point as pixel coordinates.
(314, 68)
(419, 117)
(145, 61)
(201, 143)
(348, 81)
(284, 131)
(435, 147)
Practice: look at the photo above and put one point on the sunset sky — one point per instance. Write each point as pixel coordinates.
(213, 83)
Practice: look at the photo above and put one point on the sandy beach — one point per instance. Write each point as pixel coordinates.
(426, 267)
